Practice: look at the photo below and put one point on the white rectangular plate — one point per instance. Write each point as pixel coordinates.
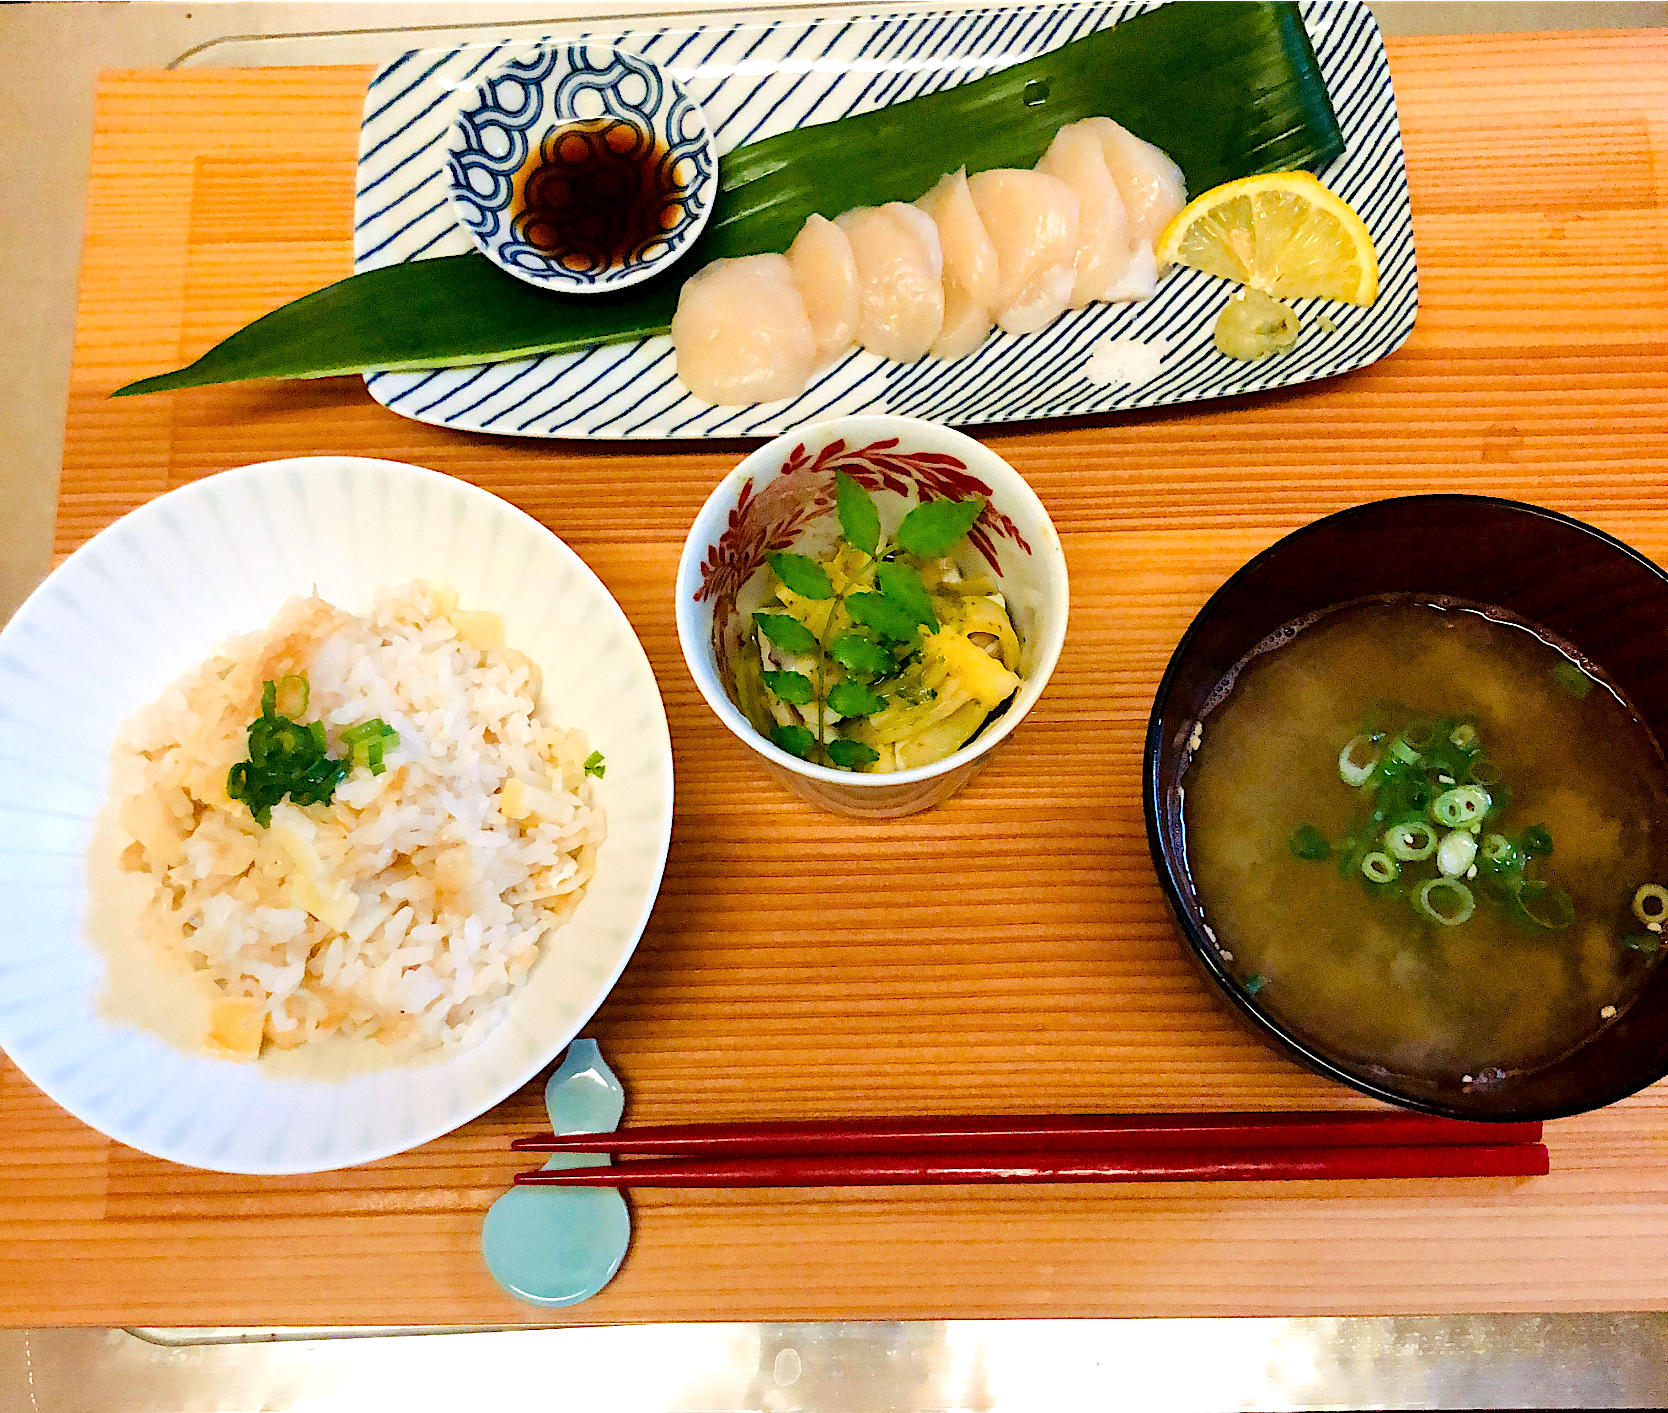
(755, 79)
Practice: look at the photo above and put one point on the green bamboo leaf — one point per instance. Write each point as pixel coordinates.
(859, 519)
(803, 575)
(903, 586)
(934, 526)
(851, 754)
(1227, 89)
(795, 688)
(787, 632)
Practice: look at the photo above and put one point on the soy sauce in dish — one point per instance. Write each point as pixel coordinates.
(596, 194)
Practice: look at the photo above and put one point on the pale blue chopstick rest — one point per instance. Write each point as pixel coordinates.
(556, 1246)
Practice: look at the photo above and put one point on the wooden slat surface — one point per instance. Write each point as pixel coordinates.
(1009, 952)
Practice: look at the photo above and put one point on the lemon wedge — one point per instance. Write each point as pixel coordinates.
(1282, 233)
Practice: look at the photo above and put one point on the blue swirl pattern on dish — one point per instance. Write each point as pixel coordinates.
(517, 111)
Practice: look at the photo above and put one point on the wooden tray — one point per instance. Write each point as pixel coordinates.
(1010, 951)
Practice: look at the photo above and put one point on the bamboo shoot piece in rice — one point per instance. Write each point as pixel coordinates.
(1007, 247)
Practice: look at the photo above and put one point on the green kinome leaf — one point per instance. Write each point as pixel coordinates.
(860, 655)
(850, 754)
(1227, 89)
(795, 688)
(795, 740)
(596, 765)
(934, 526)
(884, 616)
(803, 575)
(854, 699)
(858, 517)
(787, 632)
(903, 586)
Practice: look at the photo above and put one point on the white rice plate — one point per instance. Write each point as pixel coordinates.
(413, 905)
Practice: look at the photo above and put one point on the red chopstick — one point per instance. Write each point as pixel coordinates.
(1035, 1134)
(1168, 1165)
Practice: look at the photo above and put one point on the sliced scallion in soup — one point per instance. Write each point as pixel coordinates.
(1426, 792)
(1431, 837)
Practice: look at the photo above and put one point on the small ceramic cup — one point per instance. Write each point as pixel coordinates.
(521, 120)
(782, 496)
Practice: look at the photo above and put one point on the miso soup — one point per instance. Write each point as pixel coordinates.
(1429, 839)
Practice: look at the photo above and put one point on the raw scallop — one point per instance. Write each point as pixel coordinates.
(899, 277)
(970, 270)
(1151, 185)
(1078, 158)
(1032, 220)
(826, 274)
(741, 332)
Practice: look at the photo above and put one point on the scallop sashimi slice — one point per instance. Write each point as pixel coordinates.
(825, 271)
(900, 268)
(741, 332)
(1078, 158)
(1139, 279)
(970, 270)
(1152, 186)
(1032, 220)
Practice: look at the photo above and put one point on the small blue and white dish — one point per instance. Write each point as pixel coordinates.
(581, 168)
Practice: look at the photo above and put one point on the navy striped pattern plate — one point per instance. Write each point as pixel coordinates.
(754, 80)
